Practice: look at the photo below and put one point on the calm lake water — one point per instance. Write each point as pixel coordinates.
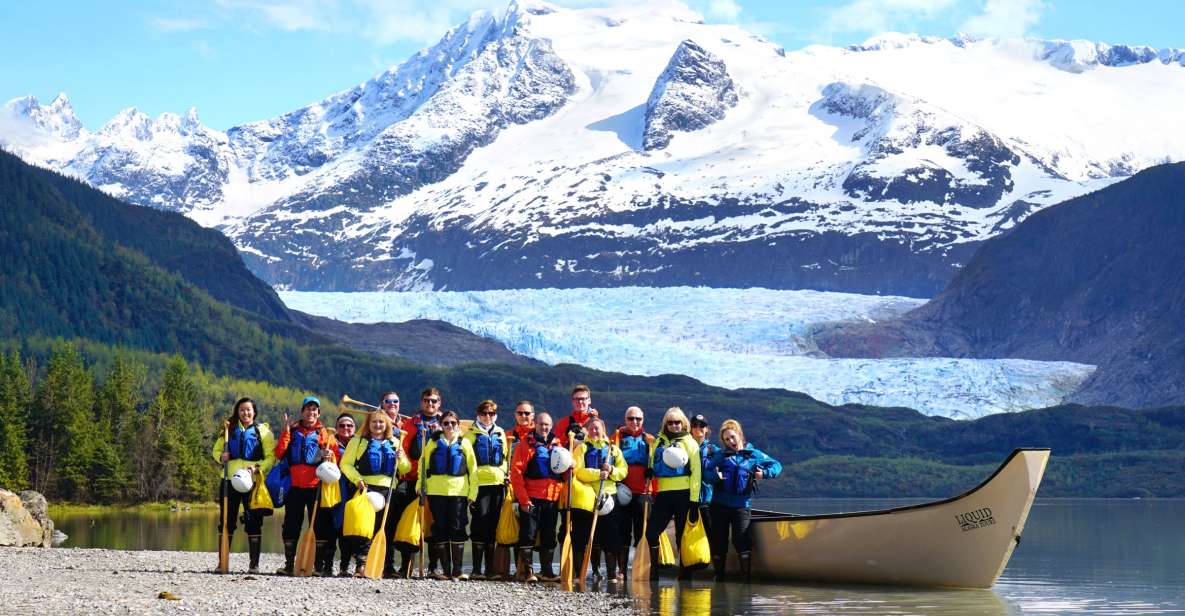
(1076, 557)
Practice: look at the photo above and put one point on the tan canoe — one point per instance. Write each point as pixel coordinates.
(960, 542)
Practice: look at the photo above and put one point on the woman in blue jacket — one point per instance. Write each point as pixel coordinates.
(734, 472)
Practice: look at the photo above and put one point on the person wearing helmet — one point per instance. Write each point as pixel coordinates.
(492, 451)
(449, 475)
(304, 444)
(343, 430)
(249, 448)
(537, 486)
(734, 471)
(416, 429)
(597, 464)
(675, 461)
(701, 432)
(370, 460)
(635, 444)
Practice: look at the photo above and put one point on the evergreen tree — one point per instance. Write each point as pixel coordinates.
(14, 405)
(60, 427)
(176, 425)
(115, 430)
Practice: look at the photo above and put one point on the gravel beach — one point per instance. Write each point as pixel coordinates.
(92, 581)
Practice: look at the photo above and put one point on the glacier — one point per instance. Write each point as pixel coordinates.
(731, 338)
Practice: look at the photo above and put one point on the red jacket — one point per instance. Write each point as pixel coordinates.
(410, 426)
(305, 475)
(526, 488)
(562, 426)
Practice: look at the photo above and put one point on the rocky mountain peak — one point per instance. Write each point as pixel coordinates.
(693, 91)
(56, 119)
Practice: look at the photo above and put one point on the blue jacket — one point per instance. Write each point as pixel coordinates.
(735, 488)
(706, 451)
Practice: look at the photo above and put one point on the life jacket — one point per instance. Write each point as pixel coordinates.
(419, 422)
(447, 459)
(303, 448)
(379, 458)
(660, 466)
(737, 472)
(634, 449)
(487, 448)
(595, 457)
(540, 466)
(245, 444)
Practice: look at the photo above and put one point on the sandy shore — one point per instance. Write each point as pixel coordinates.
(90, 581)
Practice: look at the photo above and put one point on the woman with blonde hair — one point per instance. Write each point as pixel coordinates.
(675, 461)
(734, 471)
(370, 460)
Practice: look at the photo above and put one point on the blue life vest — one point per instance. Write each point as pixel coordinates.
(378, 459)
(488, 449)
(303, 448)
(447, 459)
(660, 467)
(635, 449)
(737, 472)
(245, 444)
(595, 457)
(540, 466)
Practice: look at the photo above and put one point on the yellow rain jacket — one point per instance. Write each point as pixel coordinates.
(352, 463)
(240, 438)
(441, 484)
(490, 474)
(687, 478)
(587, 479)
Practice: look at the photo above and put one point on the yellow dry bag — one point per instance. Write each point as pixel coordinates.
(408, 529)
(359, 517)
(694, 550)
(507, 522)
(260, 500)
(666, 554)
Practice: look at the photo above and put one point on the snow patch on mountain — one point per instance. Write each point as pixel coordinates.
(726, 337)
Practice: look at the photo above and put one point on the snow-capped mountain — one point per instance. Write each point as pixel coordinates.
(544, 146)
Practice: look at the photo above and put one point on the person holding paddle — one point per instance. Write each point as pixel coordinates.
(492, 451)
(598, 466)
(415, 434)
(537, 490)
(448, 471)
(344, 428)
(675, 461)
(248, 445)
(734, 472)
(635, 444)
(370, 461)
(305, 443)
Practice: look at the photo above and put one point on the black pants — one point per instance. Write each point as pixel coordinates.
(607, 536)
(252, 520)
(540, 525)
(629, 527)
(726, 520)
(450, 516)
(672, 504)
(299, 504)
(485, 522)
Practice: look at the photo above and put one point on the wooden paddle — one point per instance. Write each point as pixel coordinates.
(306, 550)
(591, 531)
(224, 536)
(423, 500)
(376, 556)
(566, 550)
(641, 570)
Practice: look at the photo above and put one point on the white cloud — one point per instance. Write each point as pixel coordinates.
(878, 16)
(1005, 18)
(726, 10)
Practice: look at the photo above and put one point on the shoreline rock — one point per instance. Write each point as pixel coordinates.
(24, 520)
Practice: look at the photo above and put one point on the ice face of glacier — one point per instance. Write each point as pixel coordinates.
(725, 337)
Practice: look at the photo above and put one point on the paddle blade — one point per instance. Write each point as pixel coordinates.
(566, 563)
(376, 556)
(223, 552)
(306, 552)
(641, 570)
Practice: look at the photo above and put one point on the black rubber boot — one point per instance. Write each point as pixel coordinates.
(479, 559)
(526, 568)
(458, 558)
(389, 570)
(746, 559)
(718, 568)
(623, 562)
(595, 562)
(610, 566)
(437, 553)
(289, 558)
(546, 572)
(343, 569)
(490, 554)
(653, 563)
(323, 560)
(253, 547)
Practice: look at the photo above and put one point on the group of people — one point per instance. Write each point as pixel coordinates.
(555, 471)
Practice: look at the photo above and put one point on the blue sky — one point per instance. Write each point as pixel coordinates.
(243, 60)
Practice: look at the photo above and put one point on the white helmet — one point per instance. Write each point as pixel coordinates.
(674, 457)
(606, 505)
(328, 472)
(624, 495)
(242, 481)
(376, 500)
(561, 460)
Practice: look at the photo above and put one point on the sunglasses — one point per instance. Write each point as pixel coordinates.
(633, 419)
(524, 413)
(674, 423)
(448, 423)
(391, 401)
(488, 413)
(345, 424)
(431, 400)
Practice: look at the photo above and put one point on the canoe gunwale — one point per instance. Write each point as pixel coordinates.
(759, 515)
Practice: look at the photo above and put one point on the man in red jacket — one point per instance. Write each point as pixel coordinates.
(582, 411)
(303, 444)
(536, 494)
